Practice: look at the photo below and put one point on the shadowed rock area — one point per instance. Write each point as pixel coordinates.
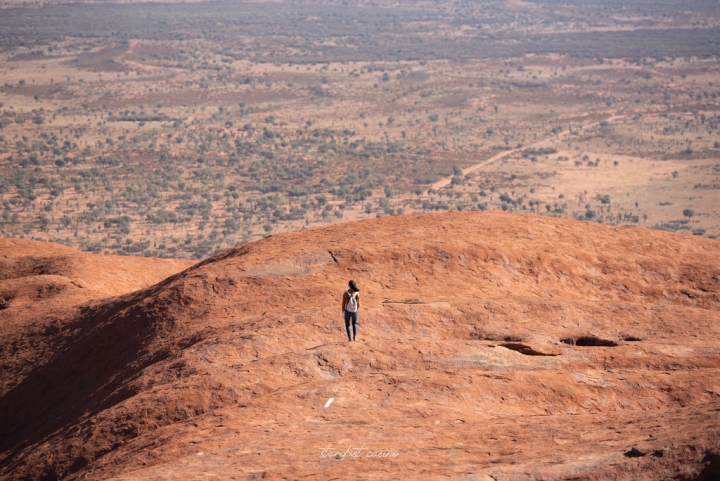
(491, 346)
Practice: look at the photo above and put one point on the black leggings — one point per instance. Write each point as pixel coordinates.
(348, 317)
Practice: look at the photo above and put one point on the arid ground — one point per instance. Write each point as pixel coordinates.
(181, 130)
(527, 193)
(491, 346)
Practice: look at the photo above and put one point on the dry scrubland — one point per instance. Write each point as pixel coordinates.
(551, 345)
(179, 131)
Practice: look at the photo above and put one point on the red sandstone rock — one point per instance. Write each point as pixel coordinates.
(224, 369)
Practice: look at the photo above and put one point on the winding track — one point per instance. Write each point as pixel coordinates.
(446, 181)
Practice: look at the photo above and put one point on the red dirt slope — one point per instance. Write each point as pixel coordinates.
(491, 346)
(108, 275)
(42, 285)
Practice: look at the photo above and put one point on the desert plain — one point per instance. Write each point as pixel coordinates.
(179, 130)
(525, 192)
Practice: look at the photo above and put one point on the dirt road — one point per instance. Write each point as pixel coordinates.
(474, 168)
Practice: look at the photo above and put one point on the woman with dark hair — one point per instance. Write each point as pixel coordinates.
(351, 307)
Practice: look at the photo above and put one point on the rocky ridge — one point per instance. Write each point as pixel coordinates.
(492, 346)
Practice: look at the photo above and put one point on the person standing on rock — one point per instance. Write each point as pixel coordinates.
(351, 307)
